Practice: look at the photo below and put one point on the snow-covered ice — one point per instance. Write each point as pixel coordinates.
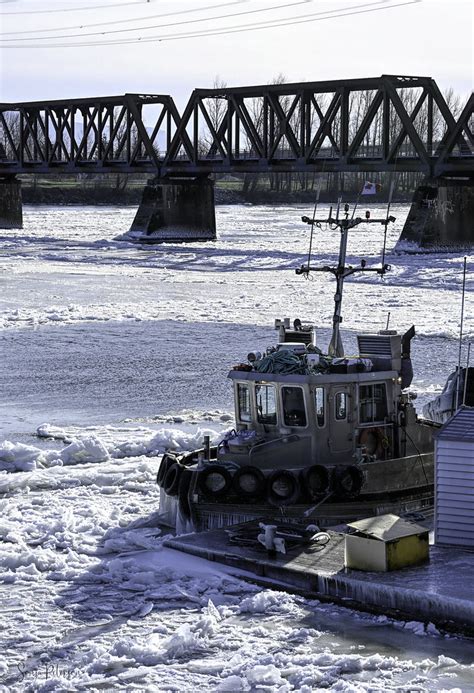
(112, 353)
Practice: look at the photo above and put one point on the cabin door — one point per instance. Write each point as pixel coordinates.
(340, 419)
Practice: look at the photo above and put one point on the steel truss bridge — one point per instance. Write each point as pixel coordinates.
(389, 123)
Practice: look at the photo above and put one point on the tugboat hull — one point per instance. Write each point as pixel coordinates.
(400, 486)
(216, 516)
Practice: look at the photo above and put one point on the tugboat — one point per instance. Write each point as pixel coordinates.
(319, 437)
(458, 391)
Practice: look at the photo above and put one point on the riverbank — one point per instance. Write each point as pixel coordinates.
(132, 195)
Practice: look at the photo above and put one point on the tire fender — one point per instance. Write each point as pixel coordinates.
(315, 480)
(206, 473)
(289, 478)
(172, 479)
(166, 462)
(260, 482)
(348, 481)
(183, 492)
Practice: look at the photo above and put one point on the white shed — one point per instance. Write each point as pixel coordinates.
(454, 479)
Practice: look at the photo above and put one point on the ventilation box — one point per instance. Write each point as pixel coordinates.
(383, 349)
(385, 542)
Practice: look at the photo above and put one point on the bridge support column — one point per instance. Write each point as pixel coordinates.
(441, 215)
(11, 212)
(175, 209)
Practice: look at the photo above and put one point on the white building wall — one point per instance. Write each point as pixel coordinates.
(454, 516)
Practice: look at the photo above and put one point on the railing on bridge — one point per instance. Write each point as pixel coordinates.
(389, 123)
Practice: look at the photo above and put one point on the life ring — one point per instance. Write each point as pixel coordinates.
(214, 481)
(374, 441)
(183, 493)
(166, 462)
(283, 488)
(348, 481)
(315, 480)
(172, 478)
(249, 481)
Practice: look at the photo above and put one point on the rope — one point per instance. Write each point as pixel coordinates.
(283, 361)
(316, 202)
(390, 194)
(420, 458)
(293, 537)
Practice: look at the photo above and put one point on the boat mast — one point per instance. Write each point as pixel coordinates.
(341, 271)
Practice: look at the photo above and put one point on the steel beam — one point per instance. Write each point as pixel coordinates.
(300, 127)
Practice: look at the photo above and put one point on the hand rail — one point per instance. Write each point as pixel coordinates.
(294, 436)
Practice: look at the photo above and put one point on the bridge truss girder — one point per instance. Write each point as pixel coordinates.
(101, 135)
(378, 124)
(389, 123)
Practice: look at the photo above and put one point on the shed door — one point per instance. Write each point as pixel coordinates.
(340, 419)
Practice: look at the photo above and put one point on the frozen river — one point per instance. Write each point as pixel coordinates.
(115, 352)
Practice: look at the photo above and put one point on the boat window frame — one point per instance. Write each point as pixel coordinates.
(248, 387)
(324, 416)
(259, 384)
(372, 421)
(305, 408)
(345, 394)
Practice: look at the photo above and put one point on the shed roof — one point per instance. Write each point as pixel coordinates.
(459, 427)
(387, 527)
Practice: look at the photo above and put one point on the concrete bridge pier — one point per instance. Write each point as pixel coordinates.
(441, 215)
(178, 210)
(11, 211)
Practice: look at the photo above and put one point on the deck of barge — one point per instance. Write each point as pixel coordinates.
(440, 592)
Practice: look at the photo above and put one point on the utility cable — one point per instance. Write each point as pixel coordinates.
(165, 26)
(269, 24)
(79, 9)
(125, 21)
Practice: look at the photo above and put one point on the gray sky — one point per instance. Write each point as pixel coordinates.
(354, 38)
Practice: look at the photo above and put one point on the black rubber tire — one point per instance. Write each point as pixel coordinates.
(183, 492)
(172, 479)
(206, 473)
(166, 462)
(260, 482)
(294, 488)
(348, 481)
(315, 481)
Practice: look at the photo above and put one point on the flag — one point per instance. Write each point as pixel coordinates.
(370, 188)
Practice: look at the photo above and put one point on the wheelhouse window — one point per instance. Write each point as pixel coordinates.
(319, 403)
(243, 398)
(265, 397)
(341, 406)
(372, 403)
(294, 412)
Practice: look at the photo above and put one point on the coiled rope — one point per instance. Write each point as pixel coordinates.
(283, 361)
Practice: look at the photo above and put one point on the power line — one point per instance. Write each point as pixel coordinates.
(125, 21)
(79, 9)
(269, 24)
(165, 26)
